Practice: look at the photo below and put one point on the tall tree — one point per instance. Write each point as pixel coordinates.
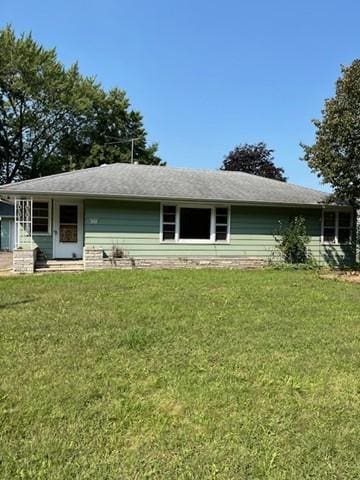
(255, 159)
(53, 119)
(335, 155)
(106, 136)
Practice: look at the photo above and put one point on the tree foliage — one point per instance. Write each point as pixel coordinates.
(53, 119)
(292, 241)
(255, 159)
(335, 155)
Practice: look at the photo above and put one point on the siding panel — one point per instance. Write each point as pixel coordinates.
(45, 243)
(135, 227)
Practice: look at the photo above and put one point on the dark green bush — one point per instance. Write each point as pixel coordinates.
(292, 241)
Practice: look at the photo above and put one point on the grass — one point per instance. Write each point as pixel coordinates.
(179, 375)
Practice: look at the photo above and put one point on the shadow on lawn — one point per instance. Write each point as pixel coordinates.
(14, 304)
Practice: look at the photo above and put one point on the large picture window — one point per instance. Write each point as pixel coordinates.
(183, 223)
(337, 226)
(195, 223)
(41, 217)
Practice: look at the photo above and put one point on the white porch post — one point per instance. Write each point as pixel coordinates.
(24, 255)
(23, 223)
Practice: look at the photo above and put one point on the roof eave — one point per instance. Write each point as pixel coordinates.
(14, 192)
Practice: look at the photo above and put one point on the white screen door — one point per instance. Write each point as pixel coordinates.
(68, 229)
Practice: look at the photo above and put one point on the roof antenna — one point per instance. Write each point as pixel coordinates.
(124, 140)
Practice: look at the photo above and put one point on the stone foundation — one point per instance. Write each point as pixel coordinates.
(94, 259)
(24, 260)
(207, 262)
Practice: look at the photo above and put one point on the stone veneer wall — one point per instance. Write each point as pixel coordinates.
(94, 259)
(24, 260)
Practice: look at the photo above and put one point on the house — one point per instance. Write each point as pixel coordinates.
(136, 215)
(7, 226)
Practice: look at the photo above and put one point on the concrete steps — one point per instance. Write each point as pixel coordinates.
(50, 266)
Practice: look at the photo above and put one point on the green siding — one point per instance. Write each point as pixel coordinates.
(135, 227)
(45, 244)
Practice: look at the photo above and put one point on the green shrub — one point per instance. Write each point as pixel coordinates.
(292, 241)
(311, 264)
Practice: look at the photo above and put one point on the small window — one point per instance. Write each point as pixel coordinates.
(40, 217)
(169, 222)
(68, 224)
(329, 227)
(344, 234)
(337, 227)
(221, 226)
(195, 223)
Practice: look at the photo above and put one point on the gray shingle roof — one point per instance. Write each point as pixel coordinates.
(6, 209)
(154, 182)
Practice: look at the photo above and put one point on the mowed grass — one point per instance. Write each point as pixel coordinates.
(179, 375)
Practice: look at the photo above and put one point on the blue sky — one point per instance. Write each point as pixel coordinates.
(207, 75)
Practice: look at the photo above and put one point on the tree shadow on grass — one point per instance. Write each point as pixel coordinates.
(3, 306)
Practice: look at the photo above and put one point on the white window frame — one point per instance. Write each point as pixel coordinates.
(336, 242)
(41, 200)
(211, 240)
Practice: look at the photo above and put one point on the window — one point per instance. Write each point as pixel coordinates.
(221, 225)
(329, 232)
(337, 227)
(169, 222)
(68, 216)
(344, 227)
(195, 224)
(40, 217)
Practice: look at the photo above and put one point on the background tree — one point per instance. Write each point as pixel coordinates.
(53, 119)
(255, 159)
(104, 137)
(335, 155)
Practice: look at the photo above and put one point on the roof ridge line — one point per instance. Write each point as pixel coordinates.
(219, 171)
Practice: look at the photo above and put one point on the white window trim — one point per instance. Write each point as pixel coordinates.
(324, 242)
(43, 234)
(194, 241)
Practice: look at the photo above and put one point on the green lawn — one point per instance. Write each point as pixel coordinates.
(179, 375)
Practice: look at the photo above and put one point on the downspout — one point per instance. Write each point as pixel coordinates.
(355, 233)
(321, 232)
(16, 223)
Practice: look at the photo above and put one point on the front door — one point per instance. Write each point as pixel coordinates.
(68, 231)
